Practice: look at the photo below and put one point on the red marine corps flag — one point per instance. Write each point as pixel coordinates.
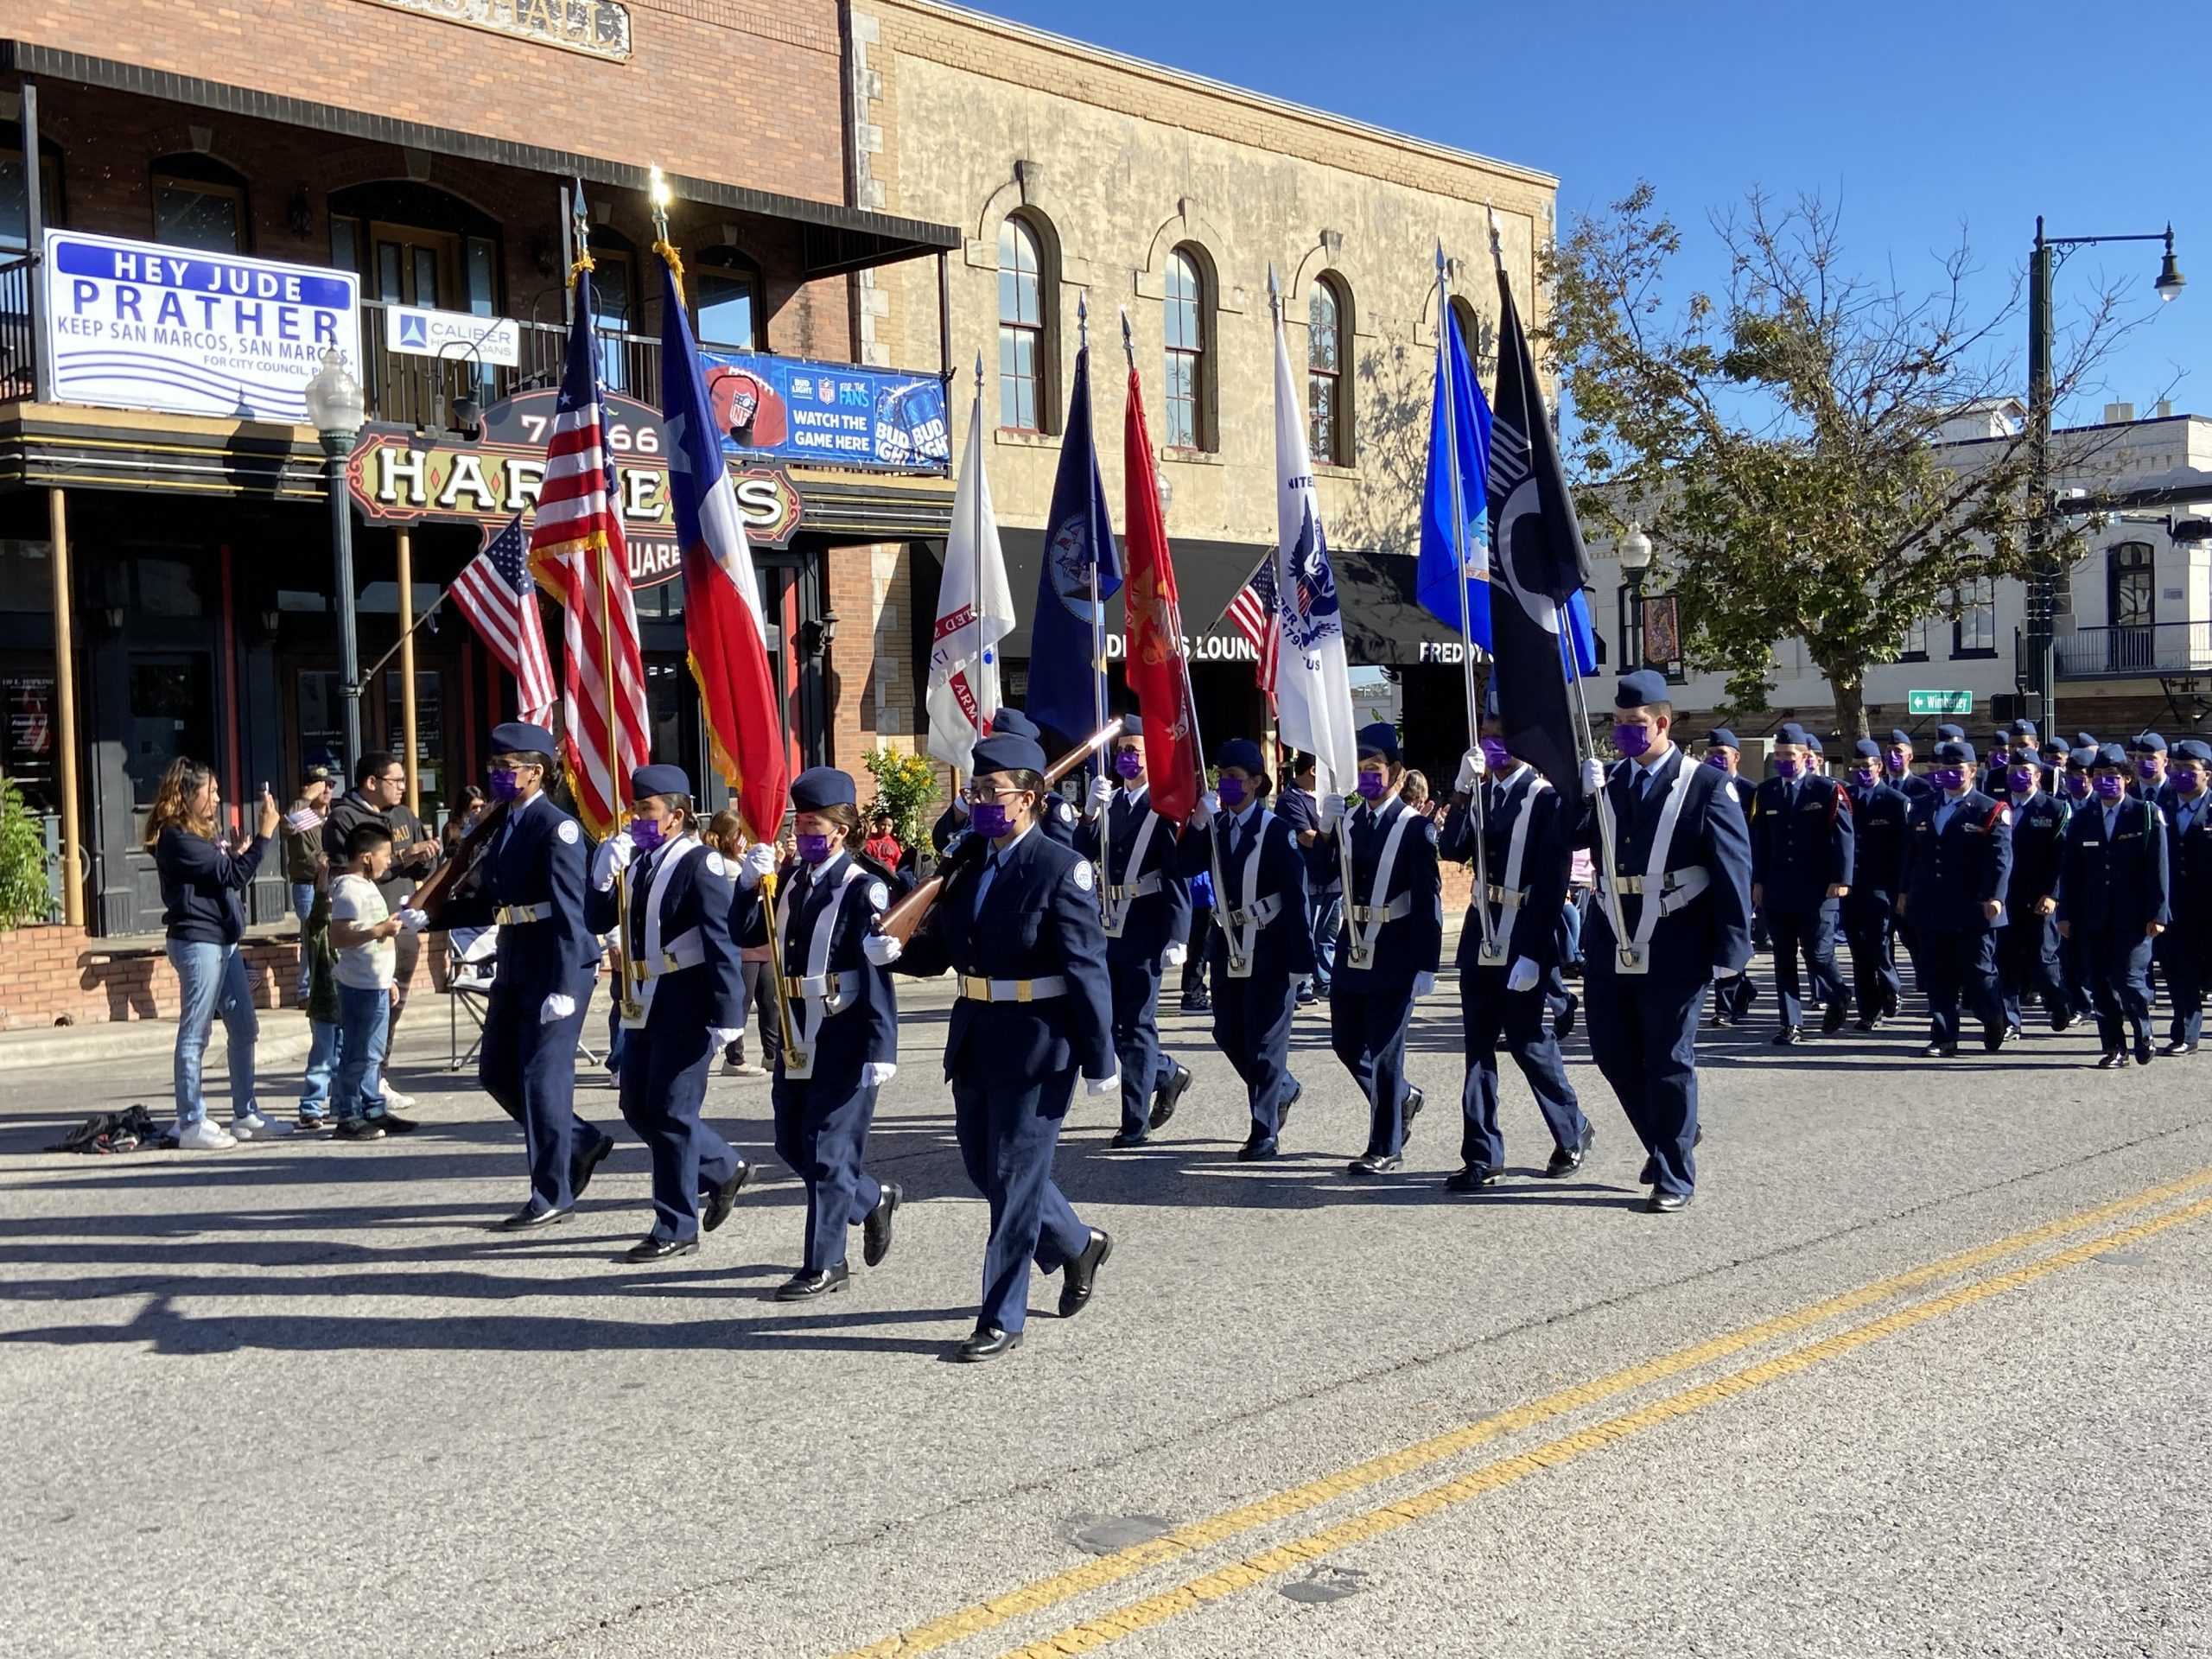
(1155, 664)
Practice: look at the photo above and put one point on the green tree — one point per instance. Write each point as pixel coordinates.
(906, 787)
(1777, 440)
(23, 894)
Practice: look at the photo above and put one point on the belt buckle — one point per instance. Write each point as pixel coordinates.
(1022, 990)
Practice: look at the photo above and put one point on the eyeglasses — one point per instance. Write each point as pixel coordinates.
(977, 797)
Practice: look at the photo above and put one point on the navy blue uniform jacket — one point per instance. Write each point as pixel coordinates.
(1285, 945)
(697, 895)
(1415, 942)
(1878, 819)
(2114, 882)
(1544, 860)
(1712, 933)
(1300, 810)
(866, 1031)
(536, 858)
(1802, 843)
(1159, 919)
(1950, 877)
(2189, 859)
(2038, 845)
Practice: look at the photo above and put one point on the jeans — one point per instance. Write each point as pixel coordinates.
(211, 979)
(325, 1047)
(364, 1021)
(302, 902)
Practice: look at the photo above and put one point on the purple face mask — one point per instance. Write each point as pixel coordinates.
(991, 818)
(1496, 755)
(2109, 785)
(1231, 791)
(1868, 775)
(2077, 786)
(1631, 740)
(1717, 760)
(1948, 778)
(2147, 769)
(1128, 762)
(2190, 781)
(1786, 767)
(814, 849)
(646, 834)
(2024, 779)
(1899, 758)
(1373, 785)
(506, 785)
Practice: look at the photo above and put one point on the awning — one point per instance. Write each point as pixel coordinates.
(1207, 576)
(1384, 624)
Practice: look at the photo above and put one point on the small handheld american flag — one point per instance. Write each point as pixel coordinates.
(497, 593)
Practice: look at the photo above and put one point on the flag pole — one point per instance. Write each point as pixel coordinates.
(1097, 620)
(1450, 386)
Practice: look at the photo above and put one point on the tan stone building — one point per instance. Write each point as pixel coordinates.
(1078, 174)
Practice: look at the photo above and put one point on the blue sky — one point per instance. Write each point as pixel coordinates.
(1918, 118)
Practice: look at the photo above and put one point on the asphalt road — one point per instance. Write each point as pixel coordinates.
(1925, 1370)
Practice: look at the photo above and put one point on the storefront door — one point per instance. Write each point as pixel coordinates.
(165, 706)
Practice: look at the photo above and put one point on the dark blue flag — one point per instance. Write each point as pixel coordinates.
(1064, 671)
(1455, 557)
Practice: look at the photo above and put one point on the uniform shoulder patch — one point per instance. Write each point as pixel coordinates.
(1066, 812)
(568, 832)
(1081, 868)
(879, 896)
(718, 865)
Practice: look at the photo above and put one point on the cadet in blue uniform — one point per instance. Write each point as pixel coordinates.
(687, 983)
(1683, 859)
(1018, 922)
(1055, 816)
(532, 888)
(845, 1025)
(2074, 789)
(1879, 813)
(2189, 938)
(2027, 949)
(1733, 994)
(2150, 782)
(1525, 857)
(1260, 946)
(1802, 850)
(1146, 914)
(1958, 859)
(1897, 760)
(1388, 946)
(2112, 903)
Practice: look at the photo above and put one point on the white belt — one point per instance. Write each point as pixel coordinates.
(840, 987)
(514, 915)
(1013, 990)
(1397, 911)
(1680, 887)
(687, 949)
(1143, 889)
(1262, 912)
(1499, 895)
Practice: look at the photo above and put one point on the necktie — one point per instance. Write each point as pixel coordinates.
(983, 887)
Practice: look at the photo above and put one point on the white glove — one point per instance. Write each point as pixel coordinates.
(413, 920)
(1522, 976)
(1471, 769)
(1202, 814)
(559, 1006)
(1423, 984)
(1594, 776)
(723, 1036)
(612, 857)
(876, 1073)
(760, 860)
(1175, 956)
(1333, 813)
(1102, 1085)
(959, 806)
(881, 949)
(1102, 794)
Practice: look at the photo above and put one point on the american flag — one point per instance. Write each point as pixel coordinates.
(1253, 614)
(577, 550)
(496, 594)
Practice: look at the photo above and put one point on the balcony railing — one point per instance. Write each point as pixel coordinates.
(2130, 653)
(18, 343)
(414, 390)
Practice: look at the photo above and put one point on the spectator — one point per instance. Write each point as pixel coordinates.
(201, 881)
(1415, 793)
(726, 834)
(302, 840)
(323, 1013)
(881, 844)
(380, 792)
(362, 931)
(466, 812)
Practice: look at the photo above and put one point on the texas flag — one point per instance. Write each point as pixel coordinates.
(724, 627)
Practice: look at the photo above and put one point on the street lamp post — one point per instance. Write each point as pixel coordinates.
(1635, 561)
(2044, 573)
(337, 409)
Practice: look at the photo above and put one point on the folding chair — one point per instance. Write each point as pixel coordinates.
(471, 961)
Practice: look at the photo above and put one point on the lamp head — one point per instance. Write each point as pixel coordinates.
(335, 405)
(2170, 281)
(1635, 550)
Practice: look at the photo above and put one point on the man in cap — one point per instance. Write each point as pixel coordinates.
(2112, 896)
(1018, 925)
(1676, 907)
(1958, 859)
(1261, 947)
(1801, 849)
(685, 1001)
(302, 837)
(2027, 948)
(1897, 765)
(1146, 915)
(2148, 751)
(1734, 994)
(2021, 740)
(2075, 791)
(2189, 940)
(532, 890)
(1879, 814)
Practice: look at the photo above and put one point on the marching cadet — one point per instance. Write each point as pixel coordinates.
(2075, 790)
(685, 1004)
(1503, 990)
(1389, 945)
(1802, 848)
(1147, 916)
(1055, 816)
(1733, 995)
(1679, 869)
(843, 1041)
(2113, 903)
(1019, 927)
(1898, 760)
(532, 890)
(2021, 740)
(1262, 945)
(1958, 858)
(1879, 813)
(2027, 949)
(2189, 940)
(2148, 750)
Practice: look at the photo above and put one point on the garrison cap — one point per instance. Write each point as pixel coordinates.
(520, 737)
(1132, 726)
(1900, 737)
(658, 781)
(1867, 749)
(1949, 732)
(2021, 728)
(1381, 738)
(1242, 754)
(1640, 689)
(1813, 742)
(2190, 749)
(1008, 752)
(2149, 743)
(820, 786)
(1791, 731)
(1721, 738)
(2111, 754)
(1952, 752)
(2082, 757)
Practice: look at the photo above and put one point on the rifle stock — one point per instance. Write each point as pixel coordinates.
(430, 897)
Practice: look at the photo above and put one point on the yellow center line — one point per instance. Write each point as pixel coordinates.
(1108, 1628)
(1035, 1597)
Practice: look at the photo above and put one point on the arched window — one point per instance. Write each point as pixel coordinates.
(1478, 337)
(1189, 328)
(199, 203)
(1328, 407)
(2132, 603)
(1029, 280)
(727, 297)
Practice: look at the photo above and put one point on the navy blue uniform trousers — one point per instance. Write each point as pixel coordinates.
(1486, 1008)
(2118, 963)
(1367, 1028)
(530, 1068)
(1811, 934)
(1135, 990)
(2188, 961)
(1006, 1142)
(821, 1133)
(664, 1087)
(1251, 1025)
(1957, 966)
(1643, 1036)
(2027, 963)
(1869, 932)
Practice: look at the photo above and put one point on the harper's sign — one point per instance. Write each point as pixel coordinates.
(393, 480)
(418, 331)
(135, 325)
(599, 29)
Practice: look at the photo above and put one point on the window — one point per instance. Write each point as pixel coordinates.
(1975, 633)
(199, 203)
(15, 199)
(726, 297)
(615, 304)
(1915, 643)
(2131, 606)
(1477, 335)
(1328, 412)
(1022, 354)
(1187, 327)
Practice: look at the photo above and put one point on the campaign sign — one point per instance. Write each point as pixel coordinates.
(831, 413)
(133, 325)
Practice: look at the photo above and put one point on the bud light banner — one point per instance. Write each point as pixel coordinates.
(135, 325)
(830, 414)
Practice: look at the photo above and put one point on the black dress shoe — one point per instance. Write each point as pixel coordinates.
(1472, 1178)
(723, 1199)
(2113, 1059)
(1831, 1020)
(1651, 1165)
(530, 1219)
(2061, 1022)
(2013, 1034)
(989, 1342)
(1373, 1163)
(1124, 1138)
(1258, 1150)
(804, 1287)
(1167, 1097)
(1283, 1117)
(1992, 1040)
(1866, 1022)
(2143, 1051)
(2177, 1046)
(1789, 1037)
(1563, 1022)
(659, 1249)
(1666, 1204)
(1081, 1271)
(1940, 1052)
(875, 1231)
(1414, 1100)
(1566, 1159)
(581, 1164)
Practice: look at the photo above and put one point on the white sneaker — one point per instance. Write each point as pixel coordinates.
(254, 1127)
(395, 1100)
(204, 1136)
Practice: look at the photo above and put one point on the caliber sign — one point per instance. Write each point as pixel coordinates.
(396, 477)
